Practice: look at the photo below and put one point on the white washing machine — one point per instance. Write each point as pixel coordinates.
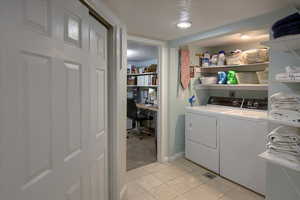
(228, 139)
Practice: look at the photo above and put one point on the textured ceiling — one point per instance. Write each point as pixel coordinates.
(157, 18)
(236, 38)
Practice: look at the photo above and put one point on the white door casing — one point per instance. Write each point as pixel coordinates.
(53, 140)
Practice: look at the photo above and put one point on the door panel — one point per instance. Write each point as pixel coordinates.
(100, 76)
(98, 37)
(53, 139)
(73, 108)
(98, 179)
(37, 15)
(36, 117)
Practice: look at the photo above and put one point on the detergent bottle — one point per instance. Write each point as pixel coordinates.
(231, 77)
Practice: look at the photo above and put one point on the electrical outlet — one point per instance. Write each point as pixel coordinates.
(231, 93)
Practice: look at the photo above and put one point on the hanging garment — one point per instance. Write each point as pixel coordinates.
(185, 68)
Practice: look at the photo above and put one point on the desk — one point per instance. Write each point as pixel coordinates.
(147, 107)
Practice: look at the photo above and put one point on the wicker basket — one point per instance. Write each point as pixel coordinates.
(234, 59)
(255, 56)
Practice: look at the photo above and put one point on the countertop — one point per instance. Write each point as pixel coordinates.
(230, 111)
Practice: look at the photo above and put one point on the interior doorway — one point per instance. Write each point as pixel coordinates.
(142, 103)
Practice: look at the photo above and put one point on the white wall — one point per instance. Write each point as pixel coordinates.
(177, 101)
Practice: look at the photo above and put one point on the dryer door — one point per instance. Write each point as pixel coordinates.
(202, 129)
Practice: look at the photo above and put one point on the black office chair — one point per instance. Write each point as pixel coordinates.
(134, 114)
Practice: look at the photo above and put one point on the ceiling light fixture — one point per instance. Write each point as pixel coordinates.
(184, 25)
(245, 37)
(130, 53)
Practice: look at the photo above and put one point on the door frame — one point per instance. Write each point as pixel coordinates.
(116, 75)
(162, 128)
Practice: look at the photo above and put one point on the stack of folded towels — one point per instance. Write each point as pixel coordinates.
(285, 107)
(291, 74)
(285, 142)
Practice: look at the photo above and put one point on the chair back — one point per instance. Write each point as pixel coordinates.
(131, 109)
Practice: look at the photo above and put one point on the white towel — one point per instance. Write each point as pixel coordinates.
(283, 97)
(286, 115)
(285, 141)
(278, 139)
(293, 150)
(282, 101)
(292, 69)
(284, 134)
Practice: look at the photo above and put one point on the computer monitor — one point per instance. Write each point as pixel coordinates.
(151, 94)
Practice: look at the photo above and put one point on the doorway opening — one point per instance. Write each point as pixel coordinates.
(143, 92)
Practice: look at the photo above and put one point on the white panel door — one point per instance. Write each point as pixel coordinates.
(98, 140)
(49, 149)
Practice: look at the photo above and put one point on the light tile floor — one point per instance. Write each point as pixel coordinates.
(181, 180)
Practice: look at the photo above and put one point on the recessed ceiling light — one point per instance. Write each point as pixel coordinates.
(245, 37)
(184, 25)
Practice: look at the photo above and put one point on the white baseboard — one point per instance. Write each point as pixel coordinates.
(174, 157)
(123, 193)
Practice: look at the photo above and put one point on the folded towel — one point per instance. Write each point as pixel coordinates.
(278, 139)
(286, 20)
(287, 29)
(288, 77)
(286, 115)
(285, 106)
(285, 141)
(280, 96)
(282, 101)
(293, 150)
(292, 69)
(287, 26)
